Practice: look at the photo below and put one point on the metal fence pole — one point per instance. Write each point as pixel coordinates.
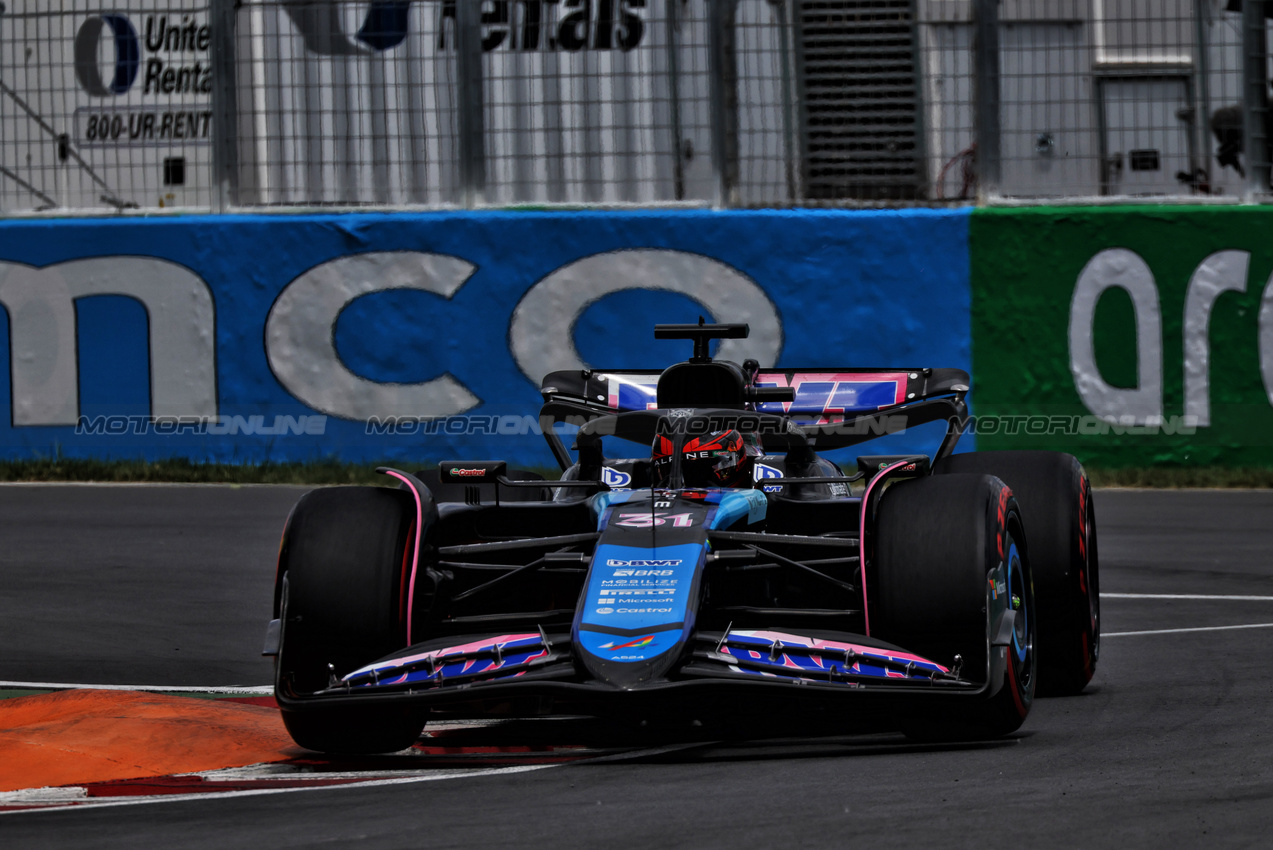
(986, 97)
(786, 29)
(471, 105)
(724, 101)
(1202, 122)
(225, 112)
(672, 29)
(1255, 98)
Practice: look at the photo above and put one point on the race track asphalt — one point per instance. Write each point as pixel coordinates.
(1171, 743)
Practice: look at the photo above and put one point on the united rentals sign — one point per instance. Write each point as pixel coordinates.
(150, 86)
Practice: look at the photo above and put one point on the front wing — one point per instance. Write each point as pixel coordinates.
(734, 673)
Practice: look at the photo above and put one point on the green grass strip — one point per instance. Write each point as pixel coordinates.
(11, 693)
(183, 471)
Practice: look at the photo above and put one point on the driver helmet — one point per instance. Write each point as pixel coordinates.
(718, 459)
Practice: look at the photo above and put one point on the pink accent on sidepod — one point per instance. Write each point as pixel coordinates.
(866, 502)
(415, 556)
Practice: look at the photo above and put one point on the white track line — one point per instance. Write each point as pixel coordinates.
(254, 792)
(1185, 596)
(1182, 631)
(67, 798)
(255, 690)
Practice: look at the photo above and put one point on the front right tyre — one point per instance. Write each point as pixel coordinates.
(954, 582)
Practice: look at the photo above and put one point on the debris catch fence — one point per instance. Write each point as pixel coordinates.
(238, 105)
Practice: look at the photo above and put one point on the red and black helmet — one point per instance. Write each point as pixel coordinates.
(718, 459)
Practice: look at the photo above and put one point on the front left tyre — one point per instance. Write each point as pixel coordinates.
(344, 571)
(1056, 500)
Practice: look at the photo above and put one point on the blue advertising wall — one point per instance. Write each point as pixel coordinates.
(252, 338)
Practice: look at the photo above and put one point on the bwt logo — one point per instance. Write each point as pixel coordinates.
(125, 50)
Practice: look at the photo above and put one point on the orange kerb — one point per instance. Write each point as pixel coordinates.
(80, 736)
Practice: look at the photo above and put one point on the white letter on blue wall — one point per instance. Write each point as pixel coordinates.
(41, 306)
(301, 348)
(541, 334)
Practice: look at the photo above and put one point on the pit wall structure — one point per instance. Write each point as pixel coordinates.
(1130, 336)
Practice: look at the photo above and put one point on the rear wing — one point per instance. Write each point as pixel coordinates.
(819, 393)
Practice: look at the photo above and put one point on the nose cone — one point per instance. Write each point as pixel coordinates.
(637, 608)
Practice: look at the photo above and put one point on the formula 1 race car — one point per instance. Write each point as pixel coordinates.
(714, 567)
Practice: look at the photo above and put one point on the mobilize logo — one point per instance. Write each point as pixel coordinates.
(638, 585)
(109, 57)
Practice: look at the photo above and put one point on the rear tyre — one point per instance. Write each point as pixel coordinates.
(1056, 503)
(953, 576)
(343, 567)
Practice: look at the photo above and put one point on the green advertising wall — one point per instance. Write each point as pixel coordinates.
(1129, 336)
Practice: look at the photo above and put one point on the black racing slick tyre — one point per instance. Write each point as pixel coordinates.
(953, 574)
(1056, 505)
(343, 571)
